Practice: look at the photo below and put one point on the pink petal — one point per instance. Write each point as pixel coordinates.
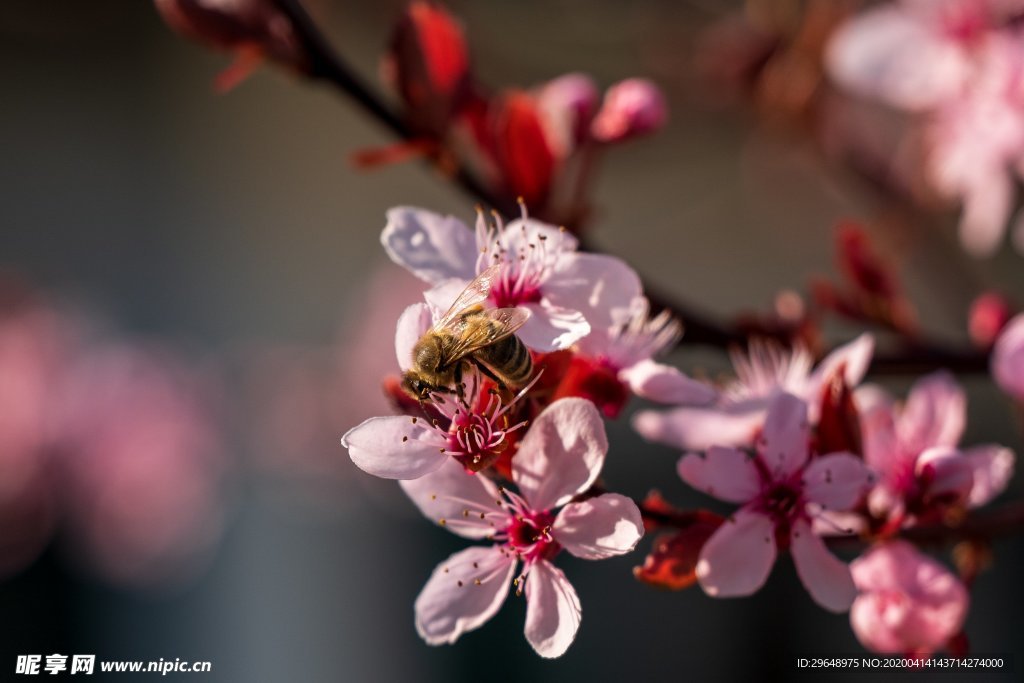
(699, 428)
(738, 558)
(993, 468)
(878, 428)
(908, 601)
(433, 247)
(551, 328)
(988, 200)
(394, 448)
(945, 472)
(414, 321)
(935, 413)
(826, 578)
(1008, 358)
(836, 481)
(666, 384)
(452, 603)
(887, 53)
(452, 494)
(784, 442)
(600, 527)
(553, 610)
(725, 473)
(595, 284)
(562, 453)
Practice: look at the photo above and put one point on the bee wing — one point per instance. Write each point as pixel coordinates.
(475, 293)
(476, 336)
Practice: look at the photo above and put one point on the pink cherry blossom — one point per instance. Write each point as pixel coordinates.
(782, 491)
(543, 272)
(1008, 358)
(559, 458)
(908, 603)
(471, 430)
(631, 107)
(141, 457)
(626, 348)
(739, 407)
(914, 448)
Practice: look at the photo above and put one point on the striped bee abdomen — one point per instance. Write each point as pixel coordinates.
(509, 359)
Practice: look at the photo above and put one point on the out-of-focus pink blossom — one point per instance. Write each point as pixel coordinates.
(1008, 358)
(567, 105)
(959, 62)
(631, 107)
(559, 458)
(252, 29)
(989, 315)
(781, 489)
(142, 460)
(31, 359)
(612, 359)
(908, 603)
(740, 406)
(914, 449)
(542, 271)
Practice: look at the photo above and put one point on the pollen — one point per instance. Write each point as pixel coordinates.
(404, 439)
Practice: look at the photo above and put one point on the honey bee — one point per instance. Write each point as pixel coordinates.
(469, 335)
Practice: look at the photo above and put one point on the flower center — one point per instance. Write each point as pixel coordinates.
(474, 440)
(529, 534)
(519, 284)
(781, 501)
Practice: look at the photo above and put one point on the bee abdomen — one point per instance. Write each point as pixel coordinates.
(509, 359)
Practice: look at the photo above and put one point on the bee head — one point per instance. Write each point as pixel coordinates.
(415, 386)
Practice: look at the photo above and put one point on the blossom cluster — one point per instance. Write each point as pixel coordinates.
(956, 65)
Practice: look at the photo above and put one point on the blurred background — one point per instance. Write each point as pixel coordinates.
(207, 269)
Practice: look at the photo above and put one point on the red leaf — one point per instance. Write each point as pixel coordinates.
(592, 380)
(520, 147)
(672, 563)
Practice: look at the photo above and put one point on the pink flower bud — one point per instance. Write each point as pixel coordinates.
(908, 602)
(631, 107)
(988, 316)
(1008, 358)
(253, 29)
(567, 105)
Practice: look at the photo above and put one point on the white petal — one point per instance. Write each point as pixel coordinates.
(725, 473)
(600, 527)
(519, 235)
(551, 328)
(699, 428)
(596, 284)
(988, 202)
(445, 609)
(836, 481)
(433, 247)
(785, 440)
(441, 297)
(993, 469)
(553, 610)
(562, 453)
(738, 558)
(414, 321)
(889, 54)
(825, 576)
(666, 384)
(460, 498)
(394, 447)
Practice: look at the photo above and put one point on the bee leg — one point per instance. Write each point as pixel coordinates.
(487, 373)
(460, 388)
